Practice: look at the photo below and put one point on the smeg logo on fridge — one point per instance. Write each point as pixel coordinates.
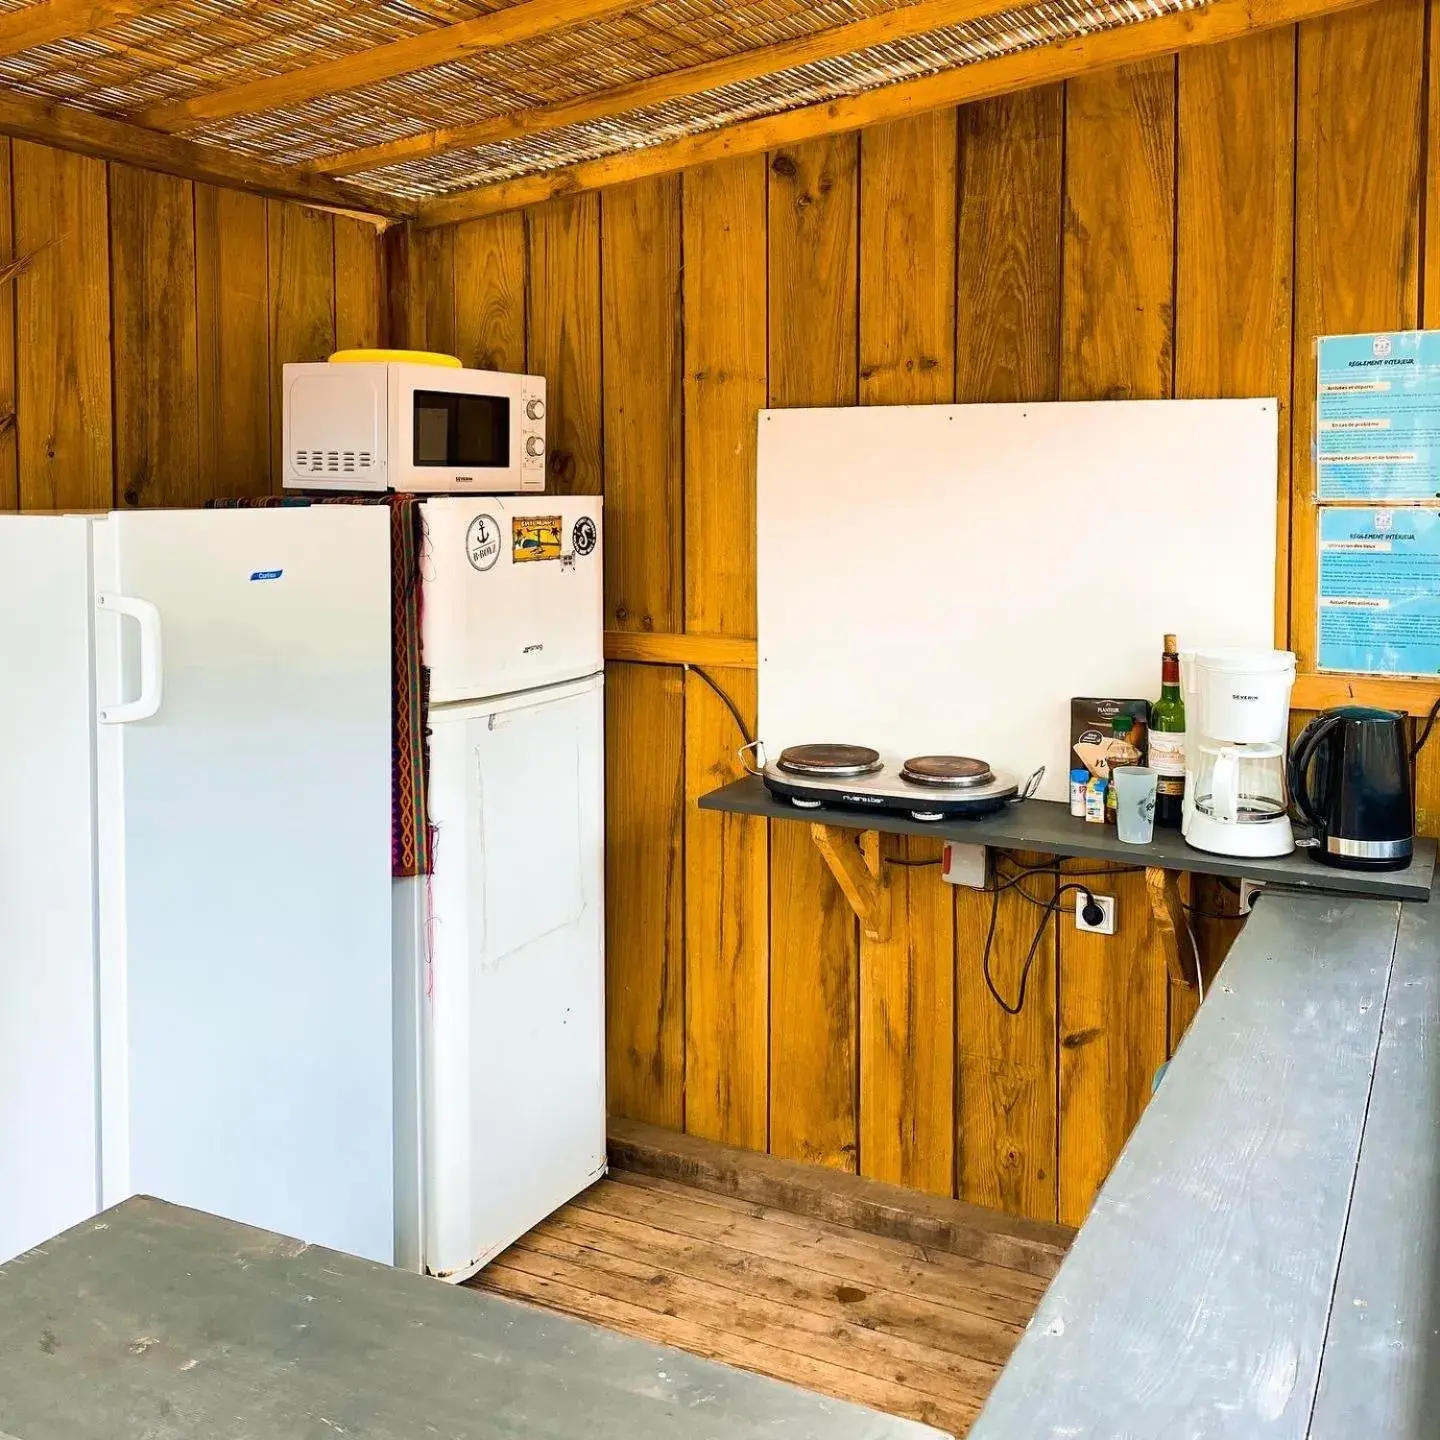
(482, 542)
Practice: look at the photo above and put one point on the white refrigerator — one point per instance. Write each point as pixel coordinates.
(211, 989)
(500, 951)
(196, 982)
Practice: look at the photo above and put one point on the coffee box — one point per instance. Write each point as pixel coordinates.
(1093, 741)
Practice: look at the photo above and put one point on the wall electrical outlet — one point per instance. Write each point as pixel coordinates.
(1249, 889)
(1107, 922)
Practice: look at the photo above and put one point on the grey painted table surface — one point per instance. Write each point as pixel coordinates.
(158, 1322)
(1264, 1260)
(1050, 828)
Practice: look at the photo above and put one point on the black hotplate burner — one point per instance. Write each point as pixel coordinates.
(950, 772)
(835, 761)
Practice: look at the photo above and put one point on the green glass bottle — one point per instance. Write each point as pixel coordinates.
(1167, 740)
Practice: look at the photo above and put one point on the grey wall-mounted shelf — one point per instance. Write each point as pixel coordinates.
(1051, 829)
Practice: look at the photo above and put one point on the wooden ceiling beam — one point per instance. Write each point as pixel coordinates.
(54, 20)
(904, 24)
(1215, 23)
(526, 21)
(98, 135)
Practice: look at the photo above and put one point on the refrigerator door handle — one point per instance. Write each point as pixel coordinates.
(147, 702)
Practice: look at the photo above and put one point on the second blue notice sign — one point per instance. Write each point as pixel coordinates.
(1379, 610)
(1377, 417)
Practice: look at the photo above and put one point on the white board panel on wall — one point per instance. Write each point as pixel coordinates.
(944, 578)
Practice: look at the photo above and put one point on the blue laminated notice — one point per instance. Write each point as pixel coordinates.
(1379, 603)
(1377, 417)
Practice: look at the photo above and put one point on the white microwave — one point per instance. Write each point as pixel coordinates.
(391, 425)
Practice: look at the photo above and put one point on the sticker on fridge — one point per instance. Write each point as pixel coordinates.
(482, 542)
(1379, 601)
(535, 537)
(1377, 416)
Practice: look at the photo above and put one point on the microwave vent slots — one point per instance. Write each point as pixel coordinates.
(333, 462)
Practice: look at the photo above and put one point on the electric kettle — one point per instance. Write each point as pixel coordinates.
(1350, 779)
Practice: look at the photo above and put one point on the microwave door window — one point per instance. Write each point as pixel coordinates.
(462, 431)
(432, 430)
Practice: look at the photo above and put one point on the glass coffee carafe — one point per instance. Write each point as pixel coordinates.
(1240, 784)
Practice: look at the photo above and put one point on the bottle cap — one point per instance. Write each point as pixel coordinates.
(1080, 774)
(1172, 645)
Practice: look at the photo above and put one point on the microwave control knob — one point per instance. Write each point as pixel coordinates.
(535, 410)
(534, 446)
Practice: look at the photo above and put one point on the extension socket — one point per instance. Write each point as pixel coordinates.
(1107, 922)
(963, 865)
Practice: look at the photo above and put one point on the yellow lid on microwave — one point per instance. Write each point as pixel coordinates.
(403, 357)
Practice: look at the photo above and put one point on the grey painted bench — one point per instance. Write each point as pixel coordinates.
(1264, 1260)
(158, 1322)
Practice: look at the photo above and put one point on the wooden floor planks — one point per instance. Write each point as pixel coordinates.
(862, 1317)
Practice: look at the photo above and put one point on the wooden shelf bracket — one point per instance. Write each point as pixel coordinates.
(858, 871)
(1169, 911)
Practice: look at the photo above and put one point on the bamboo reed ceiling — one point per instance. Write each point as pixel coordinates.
(410, 100)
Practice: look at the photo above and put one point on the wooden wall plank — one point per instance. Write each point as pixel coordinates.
(62, 331)
(1357, 205)
(1008, 349)
(1210, 900)
(1359, 178)
(813, 205)
(302, 302)
(359, 285)
(1119, 234)
(232, 289)
(1117, 342)
(1234, 242)
(643, 422)
(814, 1019)
(813, 287)
(727, 1022)
(645, 810)
(1235, 238)
(907, 1009)
(490, 260)
(725, 353)
(9, 458)
(907, 356)
(1006, 1131)
(153, 305)
(726, 857)
(907, 261)
(564, 331)
(436, 256)
(1113, 1037)
(1008, 297)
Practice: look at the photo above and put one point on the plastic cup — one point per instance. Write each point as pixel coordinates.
(1134, 804)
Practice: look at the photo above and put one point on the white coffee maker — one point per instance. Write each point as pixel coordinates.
(1237, 724)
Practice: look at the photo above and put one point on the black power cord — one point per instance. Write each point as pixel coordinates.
(1090, 911)
(730, 705)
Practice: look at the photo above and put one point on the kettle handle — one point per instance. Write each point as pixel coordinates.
(1302, 757)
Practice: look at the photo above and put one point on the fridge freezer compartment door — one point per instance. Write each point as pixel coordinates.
(512, 594)
(147, 702)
